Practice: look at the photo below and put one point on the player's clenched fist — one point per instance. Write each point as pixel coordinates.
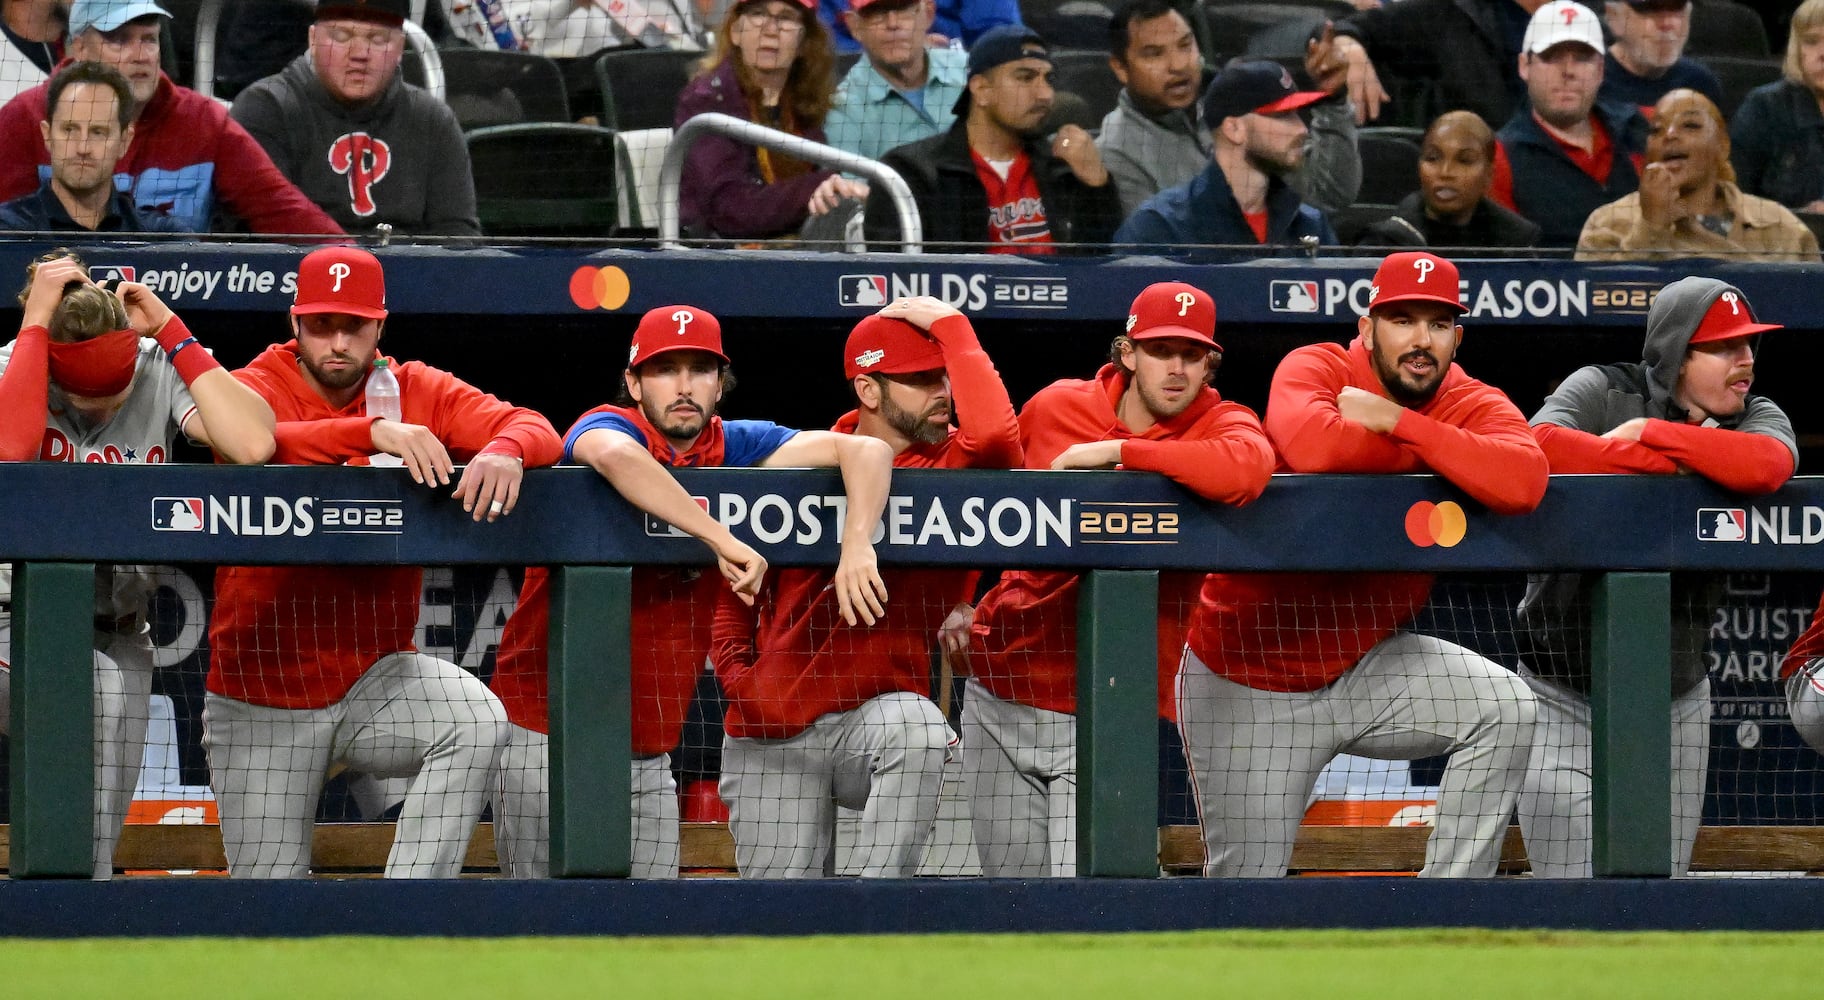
(1371, 410)
(741, 566)
(490, 485)
(424, 455)
(145, 310)
(861, 594)
(958, 627)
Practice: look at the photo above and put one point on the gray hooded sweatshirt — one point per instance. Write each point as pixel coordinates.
(1556, 609)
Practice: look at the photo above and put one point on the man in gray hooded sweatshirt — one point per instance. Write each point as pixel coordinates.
(1686, 407)
(355, 138)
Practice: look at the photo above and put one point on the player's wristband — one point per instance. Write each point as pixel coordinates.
(184, 351)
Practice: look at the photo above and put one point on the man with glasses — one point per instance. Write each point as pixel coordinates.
(186, 152)
(362, 143)
(901, 91)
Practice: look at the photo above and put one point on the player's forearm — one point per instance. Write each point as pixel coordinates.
(1572, 451)
(867, 473)
(1233, 469)
(322, 442)
(232, 419)
(1496, 461)
(1746, 463)
(987, 424)
(646, 484)
(25, 396)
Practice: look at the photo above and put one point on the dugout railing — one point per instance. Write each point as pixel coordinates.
(1635, 530)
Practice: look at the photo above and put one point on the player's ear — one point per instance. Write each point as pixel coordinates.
(867, 392)
(1365, 327)
(633, 386)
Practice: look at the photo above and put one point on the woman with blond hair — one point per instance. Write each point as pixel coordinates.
(772, 65)
(1778, 132)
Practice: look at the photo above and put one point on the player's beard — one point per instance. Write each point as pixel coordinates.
(1395, 381)
(919, 427)
(681, 421)
(344, 379)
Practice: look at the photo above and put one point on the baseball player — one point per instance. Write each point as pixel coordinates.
(1151, 408)
(1684, 407)
(314, 666)
(1803, 672)
(676, 374)
(824, 710)
(1285, 671)
(100, 376)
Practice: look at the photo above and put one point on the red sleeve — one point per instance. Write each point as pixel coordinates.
(24, 395)
(1304, 424)
(1501, 186)
(1229, 460)
(19, 133)
(470, 422)
(1485, 449)
(1570, 450)
(322, 442)
(254, 189)
(1737, 460)
(988, 432)
(1808, 646)
(731, 634)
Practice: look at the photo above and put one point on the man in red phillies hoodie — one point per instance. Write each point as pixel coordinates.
(311, 666)
(186, 152)
(1286, 670)
(826, 710)
(1151, 408)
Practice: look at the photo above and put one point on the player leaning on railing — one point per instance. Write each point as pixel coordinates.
(112, 376)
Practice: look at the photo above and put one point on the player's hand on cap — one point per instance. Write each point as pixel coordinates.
(861, 595)
(958, 628)
(919, 310)
(1089, 455)
(424, 455)
(1078, 151)
(1365, 90)
(490, 485)
(742, 567)
(146, 312)
(49, 279)
(833, 190)
(1371, 410)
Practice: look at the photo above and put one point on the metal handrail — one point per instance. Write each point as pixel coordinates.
(911, 227)
(419, 40)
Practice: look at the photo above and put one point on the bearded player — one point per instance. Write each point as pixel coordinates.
(824, 711)
(675, 379)
(1285, 671)
(1152, 408)
(313, 666)
(99, 376)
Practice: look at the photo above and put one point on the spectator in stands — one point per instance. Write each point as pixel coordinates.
(33, 44)
(901, 90)
(957, 23)
(772, 65)
(993, 181)
(1241, 197)
(1778, 132)
(1647, 60)
(365, 145)
(1688, 204)
(1451, 208)
(1685, 408)
(562, 29)
(186, 153)
(90, 125)
(1449, 54)
(1564, 154)
(1155, 138)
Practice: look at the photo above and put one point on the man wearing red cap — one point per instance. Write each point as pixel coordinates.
(824, 711)
(1684, 407)
(666, 418)
(1285, 671)
(113, 376)
(1152, 408)
(314, 666)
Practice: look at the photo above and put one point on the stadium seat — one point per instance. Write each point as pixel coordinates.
(640, 87)
(487, 87)
(1352, 221)
(1087, 75)
(1390, 165)
(1726, 28)
(1232, 26)
(1739, 75)
(544, 179)
(1073, 24)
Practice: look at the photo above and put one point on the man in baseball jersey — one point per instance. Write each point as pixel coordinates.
(100, 376)
(1151, 408)
(1285, 671)
(1684, 407)
(824, 711)
(676, 375)
(313, 666)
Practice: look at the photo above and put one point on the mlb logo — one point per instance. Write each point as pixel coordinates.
(1294, 296)
(1722, 524)
(177, 513)
(866, 290)
(659, 528)
(114, 272)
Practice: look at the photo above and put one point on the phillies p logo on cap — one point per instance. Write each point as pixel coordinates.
(675, 328)
(341, 280)
(1415, 276)
(1173, 309)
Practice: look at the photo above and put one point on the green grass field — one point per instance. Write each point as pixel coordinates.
(1460, 965)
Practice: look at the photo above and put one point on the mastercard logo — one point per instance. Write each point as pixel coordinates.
(599, 287)
(1441, 524)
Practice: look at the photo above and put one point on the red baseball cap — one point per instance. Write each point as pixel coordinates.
(341, 280)
(1173, 309)
(1727, 318)
(1415, 276)
(675, 328)
(879, 345)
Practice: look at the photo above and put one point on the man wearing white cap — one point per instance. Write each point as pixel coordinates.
(313, 666)
(186, 153)
(1564, 155)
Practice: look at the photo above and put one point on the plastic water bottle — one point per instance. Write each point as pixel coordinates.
(383, 402)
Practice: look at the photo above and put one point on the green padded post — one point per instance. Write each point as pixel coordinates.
(1117, 710)
(1630, 719)
(53, 720)
(591, 664)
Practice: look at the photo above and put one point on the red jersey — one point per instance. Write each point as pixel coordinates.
(1301, 631)
(1743, 461)
(790, 658)
(1809, 645)
(671, 611)
(1016, 212)
(1028, 622)
(298, 637)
